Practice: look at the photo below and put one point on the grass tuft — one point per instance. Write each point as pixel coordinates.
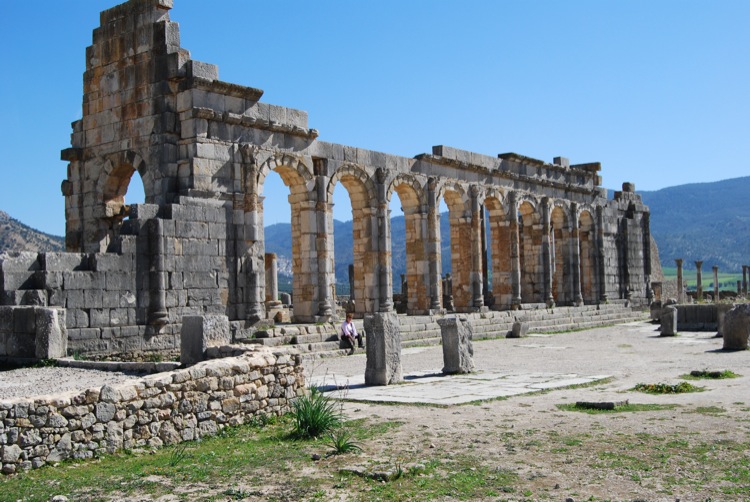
(665, 388)
(710, 375)
(314, 415)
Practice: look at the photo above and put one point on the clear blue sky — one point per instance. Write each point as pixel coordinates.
(657, 91)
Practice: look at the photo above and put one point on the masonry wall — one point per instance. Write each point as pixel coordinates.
(157, 410)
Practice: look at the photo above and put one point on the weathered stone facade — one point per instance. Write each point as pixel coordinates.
(203, 149)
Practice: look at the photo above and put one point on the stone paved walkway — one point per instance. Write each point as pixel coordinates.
(432, 387)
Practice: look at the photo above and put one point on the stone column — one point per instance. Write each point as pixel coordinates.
(716, 283)
(744, 279)
(384, 248)
(600, 252)
(515, 252)
(383, 348)
(157, 309)
(322, 212)
(699, 280)
(547, 253)
(680, 286)
(253, 238)
(575, 257)
(272, 281)
(433, 246)
(477, 298)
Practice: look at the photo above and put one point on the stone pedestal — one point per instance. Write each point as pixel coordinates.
(736, 327)
(383, 349)
(458, 351)
(721, 315)
(200, 332)
(669, 321)
(51, 333)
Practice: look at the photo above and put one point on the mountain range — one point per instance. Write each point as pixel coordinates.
(699, 221)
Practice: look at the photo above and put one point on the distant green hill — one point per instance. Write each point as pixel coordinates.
(702, 221)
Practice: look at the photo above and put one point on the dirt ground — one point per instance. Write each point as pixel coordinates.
(685, 453)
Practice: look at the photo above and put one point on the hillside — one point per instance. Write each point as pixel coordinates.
(702, 221)
(15, 236)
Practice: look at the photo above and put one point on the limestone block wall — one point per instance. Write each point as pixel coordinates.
(160, 409)
(32, 332)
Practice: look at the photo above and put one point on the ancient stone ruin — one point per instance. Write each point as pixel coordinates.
(203, 149)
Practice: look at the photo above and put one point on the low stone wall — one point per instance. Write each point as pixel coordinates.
(156, 410)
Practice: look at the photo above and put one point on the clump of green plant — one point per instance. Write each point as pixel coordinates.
(665, 388)
(178, 454)
(314, 415)
(341, 441)
(629, 407)
(711, 375)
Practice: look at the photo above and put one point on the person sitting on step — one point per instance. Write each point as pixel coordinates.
(349, 333)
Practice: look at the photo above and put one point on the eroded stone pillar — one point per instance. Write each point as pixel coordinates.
(716, 283)
(699, 280)
(680, 286)
(323, 212)
(434, 257)
(384, 247)
(477, 297)
(383, 349)
(252, 233)
(575, 255)
(744, 279)
(549, 299)
(515, 252)
(458, 351)
(157, 289)
(272, 281)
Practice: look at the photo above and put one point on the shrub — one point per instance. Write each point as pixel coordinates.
(663, 388)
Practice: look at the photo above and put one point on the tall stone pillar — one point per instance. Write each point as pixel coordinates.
(384, 245)
(272, 281)
(515, 251)
(601, 255)
(433, 246)
(716, 283)
(646, 226)
(477, 297)
(699, 280)
(157, 308)
(547, 253)
(252, 234)
(323, 211)
(744, 279)
(680, 285)
(575, 255)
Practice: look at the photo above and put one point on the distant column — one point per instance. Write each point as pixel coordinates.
(698, 280)
(680, 288)
(433, 246)
(477, 298)
(515, 252)
(716, 283)
(744, 280)
(547, 253)
(272, 282)
(383, 245)
(576, 255)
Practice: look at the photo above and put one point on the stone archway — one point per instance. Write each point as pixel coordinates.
(587, 246)
(560, 242)
(530, 252)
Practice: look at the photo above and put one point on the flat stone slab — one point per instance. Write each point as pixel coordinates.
(432, 387)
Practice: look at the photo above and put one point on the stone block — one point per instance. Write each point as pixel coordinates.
(63, 262)
(737, 327)
(669, 320)
(200, 332)
(383, 349)
(51, 333)
(458, 351)
(519, 330)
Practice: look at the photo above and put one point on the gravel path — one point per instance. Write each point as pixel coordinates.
(33, 382)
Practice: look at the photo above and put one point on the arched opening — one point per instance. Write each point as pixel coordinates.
(459, 216)
(446, 264)
(413, 282)
(588, 270)
(499, 247)
(120, 191)
(561, 257)
(530, 253)
(278, 230)
(358, 248)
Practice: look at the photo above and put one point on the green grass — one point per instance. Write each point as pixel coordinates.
(314, 415)
(664, 388)
(626, 408)
(727, 282)
(710, 375)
